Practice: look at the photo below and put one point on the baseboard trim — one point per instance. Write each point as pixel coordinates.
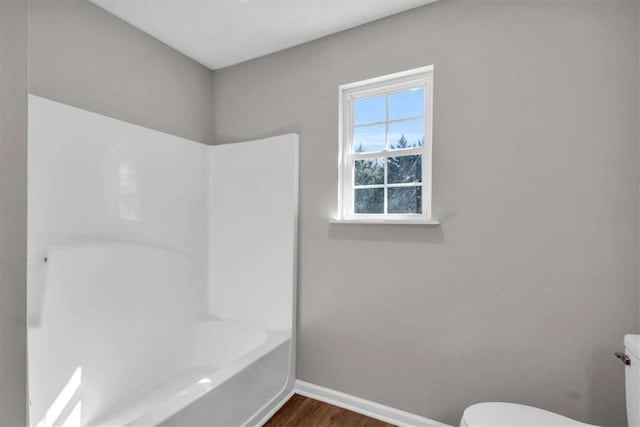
(363, 406)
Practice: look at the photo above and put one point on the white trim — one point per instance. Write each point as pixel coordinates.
(401, 221)
(417, 77)
(384, 79)
(427, 163)
(363, 406)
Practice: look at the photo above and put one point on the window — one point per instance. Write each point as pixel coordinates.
(385, 148)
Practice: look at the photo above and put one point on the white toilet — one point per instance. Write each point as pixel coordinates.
(499, 414)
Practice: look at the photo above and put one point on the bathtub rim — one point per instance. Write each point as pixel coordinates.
(155, 412)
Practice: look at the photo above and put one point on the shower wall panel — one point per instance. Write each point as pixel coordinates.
(161, 273)
(116, 257)
(253, 204)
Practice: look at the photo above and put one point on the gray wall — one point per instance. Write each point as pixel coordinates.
(13, 212)
(527, 288)
(83, 56)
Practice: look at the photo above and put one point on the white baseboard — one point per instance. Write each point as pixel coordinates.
(364, 407)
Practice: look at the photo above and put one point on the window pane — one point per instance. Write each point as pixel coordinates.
(369, 171)
(370, 110)
(406, 134)
(405, 200)
(369, 201)
(369, 138)
(403, 169)
(403, 105)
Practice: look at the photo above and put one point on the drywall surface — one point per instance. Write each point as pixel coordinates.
(13, 212)
(527, 288)
(83, 56)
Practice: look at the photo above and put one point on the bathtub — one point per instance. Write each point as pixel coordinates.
(116, 367)
(226, 357)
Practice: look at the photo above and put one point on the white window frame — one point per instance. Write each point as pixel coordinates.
(416, 78)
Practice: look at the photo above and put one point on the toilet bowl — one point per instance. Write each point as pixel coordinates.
(499, 414)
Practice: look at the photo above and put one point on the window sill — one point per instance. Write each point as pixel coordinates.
(386, 221)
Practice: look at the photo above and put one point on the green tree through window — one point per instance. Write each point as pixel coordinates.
(400, 170)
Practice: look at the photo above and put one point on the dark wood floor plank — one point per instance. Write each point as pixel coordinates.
(288, 412)
(301, 411)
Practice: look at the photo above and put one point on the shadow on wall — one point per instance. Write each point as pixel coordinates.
(604, 394)
(388, 232)
(427, 234)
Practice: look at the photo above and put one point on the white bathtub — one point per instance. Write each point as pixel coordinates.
(119, 326)
(221, 351)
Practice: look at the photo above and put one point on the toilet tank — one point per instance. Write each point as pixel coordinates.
(632, 379)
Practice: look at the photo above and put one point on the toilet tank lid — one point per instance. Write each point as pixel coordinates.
(632, 344)
(500, 414)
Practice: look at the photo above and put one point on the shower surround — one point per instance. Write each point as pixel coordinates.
(161, 277)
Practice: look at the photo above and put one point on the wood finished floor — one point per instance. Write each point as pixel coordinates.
(302, 411)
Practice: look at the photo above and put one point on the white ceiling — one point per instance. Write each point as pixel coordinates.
(219, 33)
